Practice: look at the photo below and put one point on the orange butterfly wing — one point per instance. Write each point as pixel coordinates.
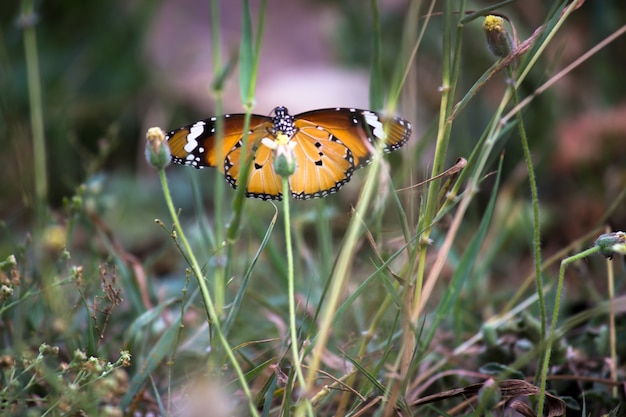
(323, 164)
(263, 182)
(359, 130)
(196, 144)
(329, 145)
(332, 143)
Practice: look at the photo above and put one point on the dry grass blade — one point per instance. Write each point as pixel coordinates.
(450, 172)
(510, 389)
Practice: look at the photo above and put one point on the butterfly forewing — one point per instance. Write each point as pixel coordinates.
(195, 144)
(358, 129)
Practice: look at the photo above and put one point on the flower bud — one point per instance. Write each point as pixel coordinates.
(157, 150)
(284, 157)
(611, 244)
(499, 41)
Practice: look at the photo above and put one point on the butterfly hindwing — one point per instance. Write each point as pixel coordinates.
(323, 164)
(263, 182)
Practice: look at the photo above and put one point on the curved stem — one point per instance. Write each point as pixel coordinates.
(204, 291)
(555, 315)
(291, 284)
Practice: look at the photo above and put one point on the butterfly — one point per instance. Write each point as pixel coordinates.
(328, 146)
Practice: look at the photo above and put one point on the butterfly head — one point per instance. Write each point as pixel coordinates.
(283, 123)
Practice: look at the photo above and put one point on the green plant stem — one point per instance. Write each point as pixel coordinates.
(291, 285)
(376, 75)
(219, 283)
(249, 63)
(612, 335)
(204, 291)
(555, 315)
(341, 270)
(239, 200)
(535, 200)
(36, 107)
(441, 147)
(412, 16)
(170, 361)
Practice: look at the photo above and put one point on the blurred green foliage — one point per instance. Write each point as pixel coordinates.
(95, 85)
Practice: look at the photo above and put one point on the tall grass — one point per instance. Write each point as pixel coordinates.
(28, 20)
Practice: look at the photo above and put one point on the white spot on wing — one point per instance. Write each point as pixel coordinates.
(192, 138)
(373, 120)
